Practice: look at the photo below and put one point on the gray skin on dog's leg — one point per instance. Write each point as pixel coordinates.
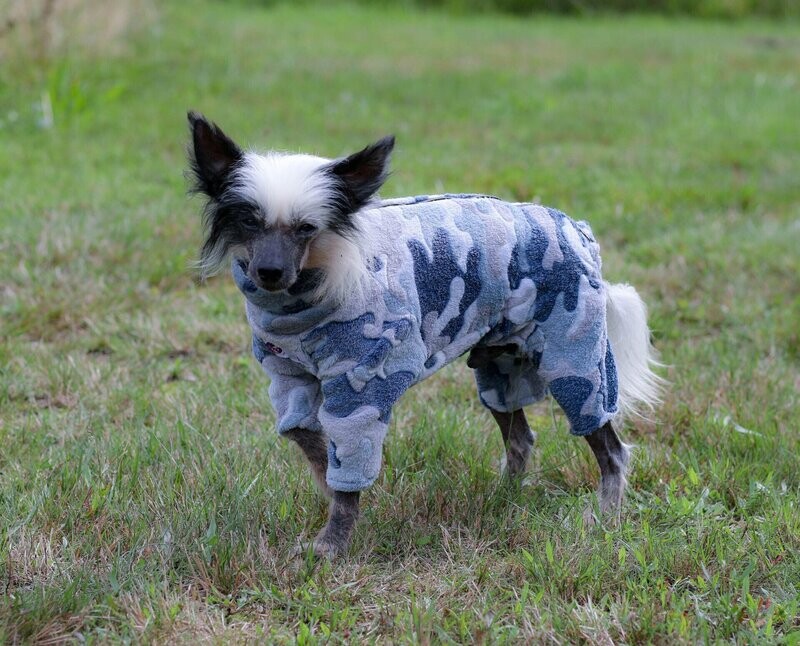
(612, 457)
(334, 539)
(315, 447)
(518, 439)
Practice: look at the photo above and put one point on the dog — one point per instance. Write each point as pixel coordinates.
(353, 300)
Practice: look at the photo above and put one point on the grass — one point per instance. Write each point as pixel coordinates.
(143, 493)
(719, 9)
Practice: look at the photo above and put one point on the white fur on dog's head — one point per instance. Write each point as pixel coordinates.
(287, 187)
(250, 194)
(294, 188)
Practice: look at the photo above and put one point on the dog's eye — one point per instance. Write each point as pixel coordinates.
(306, 229)
(249, 222)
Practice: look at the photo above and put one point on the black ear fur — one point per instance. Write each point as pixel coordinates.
(363, 173)
(212, 155)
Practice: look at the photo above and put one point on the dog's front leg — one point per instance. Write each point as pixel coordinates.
(334, 539)
(315, 447)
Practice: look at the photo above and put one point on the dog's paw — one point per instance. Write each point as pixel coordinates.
(300, 549)
(609, 516)
(324, 549)
(589, 517)
(319, 548)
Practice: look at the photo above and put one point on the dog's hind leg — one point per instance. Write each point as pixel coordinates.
(612, 456)
(315, 447)
(518, 439)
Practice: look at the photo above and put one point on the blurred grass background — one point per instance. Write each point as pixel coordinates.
(143, 494)
(724, 9)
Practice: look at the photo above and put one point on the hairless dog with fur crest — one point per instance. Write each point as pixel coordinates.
(352, 301)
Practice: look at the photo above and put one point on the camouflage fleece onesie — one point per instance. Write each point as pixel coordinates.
(446, 273)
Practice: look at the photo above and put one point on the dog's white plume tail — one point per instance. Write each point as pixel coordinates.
(639, 386)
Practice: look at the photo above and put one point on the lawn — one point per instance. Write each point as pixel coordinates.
(143, 492)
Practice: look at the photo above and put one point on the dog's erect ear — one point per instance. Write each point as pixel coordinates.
(213, 155)
(364, 172)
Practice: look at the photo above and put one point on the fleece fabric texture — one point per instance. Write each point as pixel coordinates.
(445, 274)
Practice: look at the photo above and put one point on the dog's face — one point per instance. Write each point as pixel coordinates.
(278, 211)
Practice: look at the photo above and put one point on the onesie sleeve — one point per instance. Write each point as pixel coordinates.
(360, 385)
(295, 393)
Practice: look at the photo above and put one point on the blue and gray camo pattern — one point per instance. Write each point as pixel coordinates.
(447, 273)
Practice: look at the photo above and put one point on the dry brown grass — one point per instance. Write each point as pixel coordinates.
(45, 29)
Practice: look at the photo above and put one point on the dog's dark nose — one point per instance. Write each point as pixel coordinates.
(269, 275)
